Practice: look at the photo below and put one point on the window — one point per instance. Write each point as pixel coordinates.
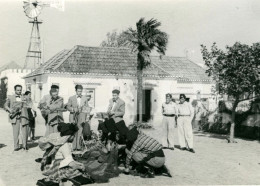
(198, 95)
(90, 92)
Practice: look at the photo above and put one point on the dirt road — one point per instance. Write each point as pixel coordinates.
(215, 161)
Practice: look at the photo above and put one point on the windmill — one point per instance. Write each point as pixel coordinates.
(32, 9)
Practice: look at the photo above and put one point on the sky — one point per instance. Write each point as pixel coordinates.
(189, 23)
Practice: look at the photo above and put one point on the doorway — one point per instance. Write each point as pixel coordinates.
(147, 105)
(3, 91)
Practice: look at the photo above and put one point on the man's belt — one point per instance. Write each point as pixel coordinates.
(183, 115)
(158, 153)
(169, 115)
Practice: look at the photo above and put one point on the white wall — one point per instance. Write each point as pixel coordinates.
(15, 76)
(172, 86)
(103, 91)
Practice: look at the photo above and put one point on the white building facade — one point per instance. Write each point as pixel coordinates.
(14, 77)
(99, 78)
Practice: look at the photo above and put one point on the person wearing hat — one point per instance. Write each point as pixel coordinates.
(146, 152)
(169, 111)
(53, 109)
(44, 100)
(75, 106)
(185, 116)
(115, 122)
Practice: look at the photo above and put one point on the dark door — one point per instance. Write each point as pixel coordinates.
(146, 105)
(3, 91)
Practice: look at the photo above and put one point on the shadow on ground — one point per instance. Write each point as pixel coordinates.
(210, 135)
(218, 136)
(2, 145)
(33, 144)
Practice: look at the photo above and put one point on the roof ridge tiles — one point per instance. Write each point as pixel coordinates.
(120, 48)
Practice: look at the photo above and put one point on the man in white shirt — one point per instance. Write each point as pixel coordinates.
(14, 105)
(185, 116)
(169, 111)
(77, 105)
(115, 123)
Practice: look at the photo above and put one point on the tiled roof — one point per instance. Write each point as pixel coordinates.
(11, 65)
(181, 67)
(109, 61)
(50, 64)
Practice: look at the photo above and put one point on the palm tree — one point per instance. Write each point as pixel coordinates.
(144, 40)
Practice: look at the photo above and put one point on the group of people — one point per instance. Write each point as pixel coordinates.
(115, 142)
(178, 116)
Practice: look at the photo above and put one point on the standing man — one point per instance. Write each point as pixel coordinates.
(54, 109)
(198, 110)
(31, 115)
(79, 114)
(90, 105)
(14, 105)
(185, 116)
(44, 100)
(169, 111)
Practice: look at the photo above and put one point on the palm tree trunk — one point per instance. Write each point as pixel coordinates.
(140, 94)
(232, 127)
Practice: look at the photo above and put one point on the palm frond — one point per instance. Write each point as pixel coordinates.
(146, 38)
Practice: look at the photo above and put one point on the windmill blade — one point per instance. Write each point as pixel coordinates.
(58, 4)
(32, 9)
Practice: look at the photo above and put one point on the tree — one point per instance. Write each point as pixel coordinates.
(114, 39)
(235, 71)
(143, 41)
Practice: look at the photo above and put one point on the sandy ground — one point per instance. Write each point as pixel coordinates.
(215, 161)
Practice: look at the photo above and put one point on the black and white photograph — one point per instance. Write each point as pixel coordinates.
(129, 92)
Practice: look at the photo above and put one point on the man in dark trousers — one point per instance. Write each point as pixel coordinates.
(115, 122)
(14, 105)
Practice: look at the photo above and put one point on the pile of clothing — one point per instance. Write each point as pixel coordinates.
(59, 164)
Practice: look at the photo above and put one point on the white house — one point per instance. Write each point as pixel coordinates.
(99, 70)
(10, 75)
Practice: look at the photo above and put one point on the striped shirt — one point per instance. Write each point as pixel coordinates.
(144, 144)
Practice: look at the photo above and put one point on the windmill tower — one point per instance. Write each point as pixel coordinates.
(32, 9)
(34, 53)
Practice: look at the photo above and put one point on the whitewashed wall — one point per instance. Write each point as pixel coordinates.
(37, 82)
(191, 89)
(103, 91)
(15, 76)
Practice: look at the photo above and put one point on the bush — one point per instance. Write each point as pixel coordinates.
(223, 128)
(217, 127)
